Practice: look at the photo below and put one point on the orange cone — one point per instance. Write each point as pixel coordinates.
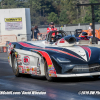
(4, 49)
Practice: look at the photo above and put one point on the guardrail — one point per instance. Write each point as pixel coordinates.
(4, 39)
(24, 37)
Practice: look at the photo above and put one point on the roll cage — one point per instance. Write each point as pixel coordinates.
(58, 35)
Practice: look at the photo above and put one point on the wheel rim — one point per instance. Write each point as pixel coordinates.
(15, 64)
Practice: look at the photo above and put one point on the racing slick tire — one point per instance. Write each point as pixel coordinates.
(15, 66)
(47, 72)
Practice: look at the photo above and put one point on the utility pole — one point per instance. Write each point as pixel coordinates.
(94, 40)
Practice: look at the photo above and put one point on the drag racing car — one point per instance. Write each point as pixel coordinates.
(57, 56)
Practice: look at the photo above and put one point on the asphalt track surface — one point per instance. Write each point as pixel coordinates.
(60, 89)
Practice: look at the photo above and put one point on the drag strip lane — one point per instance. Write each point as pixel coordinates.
(61, 89)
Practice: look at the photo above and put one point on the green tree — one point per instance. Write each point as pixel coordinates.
(63, 17)
(70, 7)
(52, 17)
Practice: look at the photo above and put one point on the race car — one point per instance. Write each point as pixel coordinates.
(57, 56)
(84, 36)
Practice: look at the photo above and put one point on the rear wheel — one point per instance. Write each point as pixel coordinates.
(47, 72)
(15, 66)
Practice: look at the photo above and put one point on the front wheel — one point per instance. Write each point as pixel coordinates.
(15, 66)
(47, 72)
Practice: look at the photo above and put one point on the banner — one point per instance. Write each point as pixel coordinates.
(13, 23)
(13, 19)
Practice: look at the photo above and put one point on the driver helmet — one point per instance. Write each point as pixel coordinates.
(84, 33)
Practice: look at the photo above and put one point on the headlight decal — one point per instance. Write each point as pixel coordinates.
(63, 60)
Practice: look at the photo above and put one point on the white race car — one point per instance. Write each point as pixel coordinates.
(57, 56)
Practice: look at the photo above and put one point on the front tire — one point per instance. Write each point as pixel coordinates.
(15, 66)
(47, 72)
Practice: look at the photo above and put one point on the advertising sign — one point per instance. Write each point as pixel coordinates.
(13, 23)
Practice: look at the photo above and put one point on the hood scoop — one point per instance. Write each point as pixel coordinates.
(66, 41)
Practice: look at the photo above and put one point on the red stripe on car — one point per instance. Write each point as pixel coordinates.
(62, 40)
(49, 62)
(30, 46)
(87, 49)
(27, 45)
(47, 57)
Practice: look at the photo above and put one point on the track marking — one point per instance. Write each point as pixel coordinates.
(4, 62)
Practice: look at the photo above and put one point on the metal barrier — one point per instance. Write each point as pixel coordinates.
(70, 32)
(24, 37)
(4, 39)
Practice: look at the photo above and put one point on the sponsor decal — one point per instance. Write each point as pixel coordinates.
(49, 74)
(28, 70)
(38, 73)
(19, 56)
(35, 69)
(38, 69)
(52, 75)
(26, 60)
(16, 53)
(32, 69)
(62, 41)
(19, 60)
(33, 72)
(52, 72)
(21, 69)
(10, 48)
(49, 66)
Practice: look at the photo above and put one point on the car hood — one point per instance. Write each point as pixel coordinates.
(80, 52)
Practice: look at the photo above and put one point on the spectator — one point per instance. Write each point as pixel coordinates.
(90, 26)
(90, 30)
(35, 33)
(51, 27)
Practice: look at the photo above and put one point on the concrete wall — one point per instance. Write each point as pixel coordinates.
(71, 28)
(28, 20)
(15, 27)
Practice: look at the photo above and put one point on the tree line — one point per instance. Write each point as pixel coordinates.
(58, 11)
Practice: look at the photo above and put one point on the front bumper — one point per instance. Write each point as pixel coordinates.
(78, 75)
(79, 68)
